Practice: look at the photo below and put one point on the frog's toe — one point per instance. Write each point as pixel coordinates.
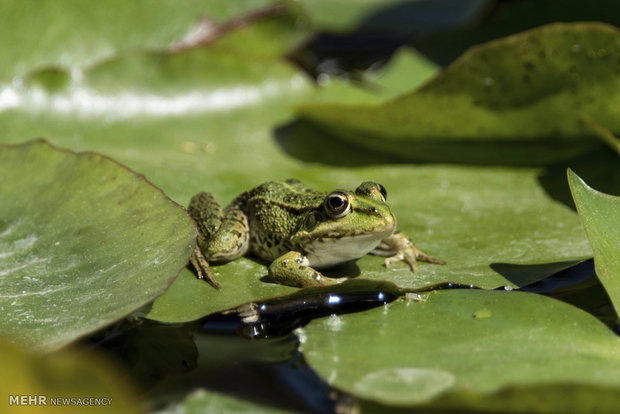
(199, 262)
(420, 255)
(402, 257)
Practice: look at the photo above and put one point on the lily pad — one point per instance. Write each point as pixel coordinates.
(202, 401)
(189, 298)
(471, 343)
(74, 33)
(64, 381)
(83, 242)
(543, 399)
(527, 99)
(600, 215)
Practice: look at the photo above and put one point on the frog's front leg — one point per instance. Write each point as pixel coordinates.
(399, 247)
(223, 236)
(293, 269)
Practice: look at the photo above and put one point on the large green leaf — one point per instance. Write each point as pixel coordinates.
(202, 401)
(463, 345)
(76, 33)
(600, 215)
(187, 111)
(531, 98)
(83, 242)
(189, 298)
(547, 399)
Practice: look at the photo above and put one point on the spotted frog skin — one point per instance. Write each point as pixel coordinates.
(299, 230)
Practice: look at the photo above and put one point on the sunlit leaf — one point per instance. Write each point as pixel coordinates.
(465, 345)
(527, 99)
(202, 401)
(75, 33)
(600, 215)
(83, 242)
(189, 298)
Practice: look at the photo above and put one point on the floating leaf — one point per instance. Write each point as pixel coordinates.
(523, 99)
(189, 298)
(547, 399)
(83, 242)
(600, 215)
(74, 33)
(418, 352)
(202, 401)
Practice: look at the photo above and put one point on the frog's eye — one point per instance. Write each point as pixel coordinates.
(337, 205)
(383, 192)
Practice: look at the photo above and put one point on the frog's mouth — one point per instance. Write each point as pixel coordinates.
(330, 251)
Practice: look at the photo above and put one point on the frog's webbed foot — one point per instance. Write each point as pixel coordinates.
(399, 247)
(198, 260)
(293, 269)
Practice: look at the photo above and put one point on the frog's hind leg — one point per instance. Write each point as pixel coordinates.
(398, 247)
(223, 236)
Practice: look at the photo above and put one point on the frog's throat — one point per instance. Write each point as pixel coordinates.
(330, 251)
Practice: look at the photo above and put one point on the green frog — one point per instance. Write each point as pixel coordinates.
(299, 230)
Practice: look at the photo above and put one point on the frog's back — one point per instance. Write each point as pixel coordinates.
(275, 210)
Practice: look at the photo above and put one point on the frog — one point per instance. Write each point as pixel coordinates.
(299, 231)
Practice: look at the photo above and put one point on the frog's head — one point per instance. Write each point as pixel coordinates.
(348, 225)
